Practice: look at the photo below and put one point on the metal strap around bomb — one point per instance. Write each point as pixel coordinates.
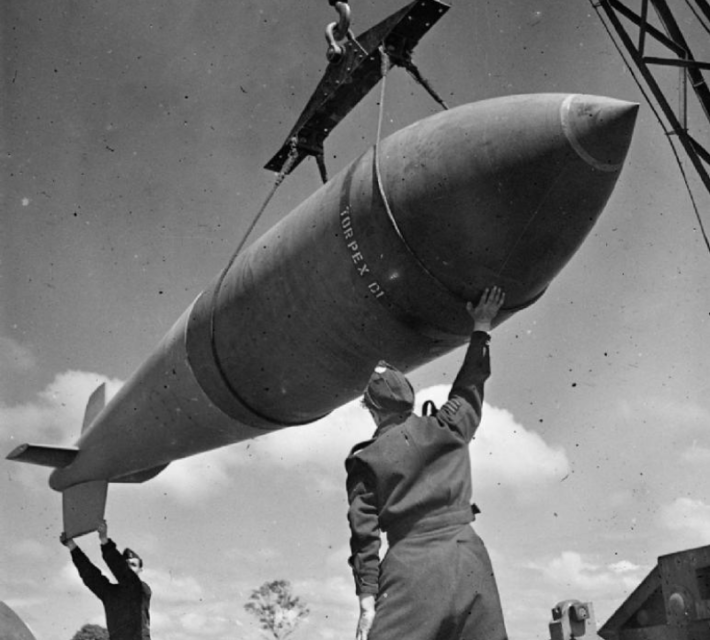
(385, 68)
(288, 165)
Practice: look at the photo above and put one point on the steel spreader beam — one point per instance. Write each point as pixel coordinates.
(350, 79)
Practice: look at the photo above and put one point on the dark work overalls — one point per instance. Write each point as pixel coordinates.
(412, 480)
(127, 603)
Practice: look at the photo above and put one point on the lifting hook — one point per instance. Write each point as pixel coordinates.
(337, 32)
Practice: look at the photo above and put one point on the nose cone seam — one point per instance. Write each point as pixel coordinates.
(580, 114)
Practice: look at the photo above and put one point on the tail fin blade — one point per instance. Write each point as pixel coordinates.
(60, 457)
(84, 506)
(95, 405)
(44, 455)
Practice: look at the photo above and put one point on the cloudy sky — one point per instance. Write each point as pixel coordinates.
(133, 139)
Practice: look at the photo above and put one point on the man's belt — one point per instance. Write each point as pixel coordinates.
(432, 521)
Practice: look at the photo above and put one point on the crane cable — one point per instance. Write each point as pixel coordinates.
(335, 32)
(288, 165)
(667, 133)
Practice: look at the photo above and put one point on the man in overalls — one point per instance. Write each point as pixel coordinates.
(127, 601)
(412, 480)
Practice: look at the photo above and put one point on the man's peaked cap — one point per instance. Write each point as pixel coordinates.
(389, 390)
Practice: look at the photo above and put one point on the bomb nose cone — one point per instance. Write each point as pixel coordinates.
(599, 129)
(509, 190)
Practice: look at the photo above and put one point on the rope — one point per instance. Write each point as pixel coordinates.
(384, 68)
(288, 165)
(660, 122)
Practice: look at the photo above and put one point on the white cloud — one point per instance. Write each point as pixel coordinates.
(571, 572)
(170, 588)
(324, 442)
(191, 479)
(323, 446)
(208, 616)
(689, 517)
(204, 624)
(502, 452)
(505, 452)
(332, 603)
(335, 593)
(259, 556)
(624, 566)
(68, 580)
(160, 620)
(665, 410)
(182, 608)
(56, 416)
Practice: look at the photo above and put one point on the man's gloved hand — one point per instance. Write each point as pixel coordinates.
(367, 616)
(67, 542)
(102, 530)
